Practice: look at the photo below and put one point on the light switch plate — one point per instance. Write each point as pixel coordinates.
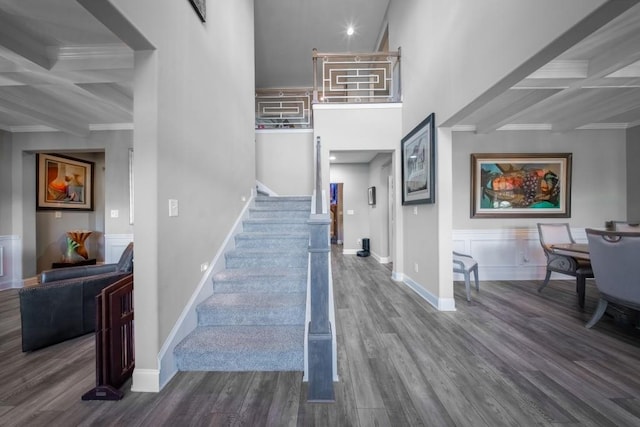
(173, 207)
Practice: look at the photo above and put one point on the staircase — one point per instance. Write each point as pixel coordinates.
(254, 321)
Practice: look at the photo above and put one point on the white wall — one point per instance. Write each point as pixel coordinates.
(598, 183)
(194, 142)
(355, 177)
(633, 174)
(6, 174)
(285, 161)
(456, 54)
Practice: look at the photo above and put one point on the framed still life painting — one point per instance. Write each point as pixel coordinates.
(64, 183)
(418, 164)
(521, 185)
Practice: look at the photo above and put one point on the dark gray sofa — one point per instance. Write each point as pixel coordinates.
(63, 305)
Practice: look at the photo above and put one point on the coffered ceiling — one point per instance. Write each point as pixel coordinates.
(594, 84)
(61, 69)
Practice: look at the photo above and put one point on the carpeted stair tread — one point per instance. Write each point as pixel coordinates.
(253, 309)
(242, 348)
(238, 274)
(276, 199)
(261, 280)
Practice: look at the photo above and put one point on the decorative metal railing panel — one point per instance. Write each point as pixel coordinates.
(356, 77)
(283, 109)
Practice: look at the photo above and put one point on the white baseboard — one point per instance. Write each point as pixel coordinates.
(381, 259)
(145, 380)
(442, 304)
(349, 251)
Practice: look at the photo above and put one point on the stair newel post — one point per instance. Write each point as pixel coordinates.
(320, 356)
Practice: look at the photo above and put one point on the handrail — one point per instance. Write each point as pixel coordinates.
(356, 77)
(320, 335)
(318, 178)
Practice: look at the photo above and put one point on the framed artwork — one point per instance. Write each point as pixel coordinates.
(521, 185)
(372, 195)
(418, 164)
(63, 183)
(200, 7)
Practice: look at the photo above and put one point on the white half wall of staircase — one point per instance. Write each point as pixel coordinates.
(284, 159)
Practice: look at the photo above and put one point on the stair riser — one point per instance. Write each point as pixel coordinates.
(284, 205)
(266, 261)
(258, 361)
(275, 243)
(260, 286)
(279, 214)
(226, 317)
(274, 228)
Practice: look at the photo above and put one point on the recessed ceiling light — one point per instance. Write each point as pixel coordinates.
(332, 158)
(350, 31)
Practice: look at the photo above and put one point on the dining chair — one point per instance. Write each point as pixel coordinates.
(558, 233)
(465, 264)
(614, 257)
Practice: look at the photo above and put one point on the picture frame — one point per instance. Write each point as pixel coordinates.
(63, 183)
(521, 185)
(200, 6)
(418, 150)
(372, 196)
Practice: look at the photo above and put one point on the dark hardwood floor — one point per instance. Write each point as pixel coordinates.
(510, 357)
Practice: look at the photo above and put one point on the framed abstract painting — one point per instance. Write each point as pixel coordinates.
(418, 163)
(521, 185)
(63, 183)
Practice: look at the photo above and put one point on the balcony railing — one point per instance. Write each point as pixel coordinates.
(372, 77)
(283, 108)
(356, 77)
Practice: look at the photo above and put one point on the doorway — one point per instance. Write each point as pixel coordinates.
(335, 208)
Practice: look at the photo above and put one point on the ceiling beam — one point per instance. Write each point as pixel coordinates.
(528, 98)
(600, 108)
(20, 41)
(41, 117)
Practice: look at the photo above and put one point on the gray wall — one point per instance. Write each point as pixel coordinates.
(41, 232)
(193, 142)
(633, 174)
(598, 184)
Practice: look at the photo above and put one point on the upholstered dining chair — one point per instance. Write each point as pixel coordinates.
(557, 233)
(614, 257)
(466, 265)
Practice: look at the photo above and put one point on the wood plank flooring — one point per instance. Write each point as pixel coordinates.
(510, 357)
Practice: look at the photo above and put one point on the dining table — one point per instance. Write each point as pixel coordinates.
(576, 250)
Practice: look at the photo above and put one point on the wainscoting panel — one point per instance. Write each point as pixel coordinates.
(10, 262)
(507, 253)
(114, 245)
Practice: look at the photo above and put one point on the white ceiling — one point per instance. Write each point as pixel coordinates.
(61, 69)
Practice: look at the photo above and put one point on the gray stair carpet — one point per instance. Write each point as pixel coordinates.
(254, 321)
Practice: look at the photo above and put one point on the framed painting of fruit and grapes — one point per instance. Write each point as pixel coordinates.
(520, 185)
